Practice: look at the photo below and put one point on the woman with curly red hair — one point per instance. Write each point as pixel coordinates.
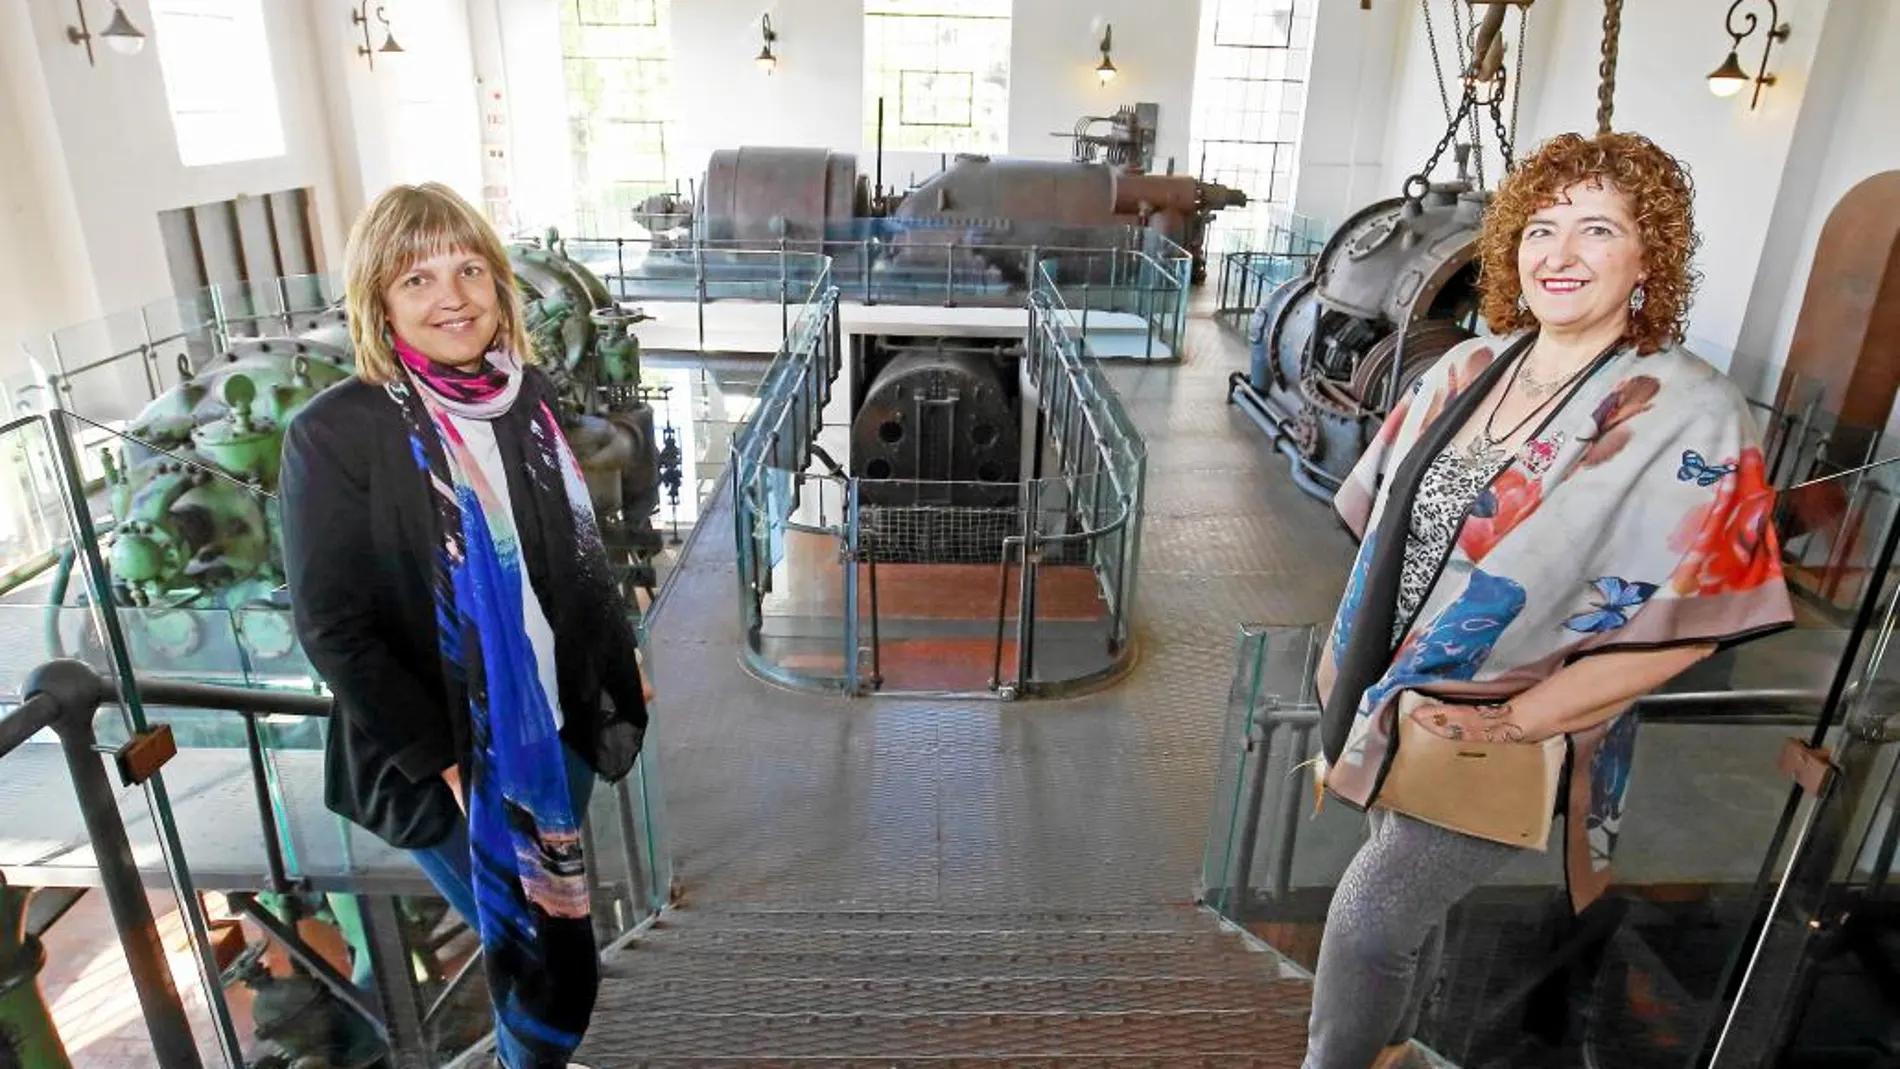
(1558, 520)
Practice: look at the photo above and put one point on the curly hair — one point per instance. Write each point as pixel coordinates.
(1661, 196)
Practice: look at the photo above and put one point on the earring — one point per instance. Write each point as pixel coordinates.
(1638, 298)
(1523, 305)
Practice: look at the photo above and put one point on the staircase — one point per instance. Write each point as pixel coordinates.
(765, 986)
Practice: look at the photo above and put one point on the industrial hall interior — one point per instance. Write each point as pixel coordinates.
(1315, 534)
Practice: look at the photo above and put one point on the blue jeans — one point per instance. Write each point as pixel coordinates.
(447, 863)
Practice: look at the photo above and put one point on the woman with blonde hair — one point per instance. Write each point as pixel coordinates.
(449, 584)
(1558, 520)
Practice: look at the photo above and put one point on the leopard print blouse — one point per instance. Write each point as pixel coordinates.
(1445, 492)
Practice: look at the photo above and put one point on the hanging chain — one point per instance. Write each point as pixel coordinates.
(1431, 40)
(1606, 70)
(1467, 60)
(1420, 184)
(1504, 136)
(1517, 78)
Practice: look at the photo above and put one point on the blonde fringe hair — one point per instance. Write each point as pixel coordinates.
(402, 227)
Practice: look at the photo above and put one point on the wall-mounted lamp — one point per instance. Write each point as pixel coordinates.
(360, 17)
(1728, 79)
(119, 35)
(765, 59)
(1106, 70)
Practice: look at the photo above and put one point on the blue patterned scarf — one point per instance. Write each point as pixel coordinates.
(533, 910)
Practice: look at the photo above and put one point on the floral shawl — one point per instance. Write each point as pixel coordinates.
(1636, 516)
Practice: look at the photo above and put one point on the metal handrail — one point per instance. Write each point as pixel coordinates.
(63, 695)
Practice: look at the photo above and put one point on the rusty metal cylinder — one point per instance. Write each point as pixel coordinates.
(938, 417)
(759, 195)
(1059, 192)
(1158, 192)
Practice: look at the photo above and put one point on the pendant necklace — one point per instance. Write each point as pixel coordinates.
(1485, 451)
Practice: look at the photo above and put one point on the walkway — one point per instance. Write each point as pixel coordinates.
(1096, 802)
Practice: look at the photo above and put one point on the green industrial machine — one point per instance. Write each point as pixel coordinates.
(192, 485)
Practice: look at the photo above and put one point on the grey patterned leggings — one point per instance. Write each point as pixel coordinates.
(1385, 933)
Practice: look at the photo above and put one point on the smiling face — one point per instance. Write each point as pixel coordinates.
(1579, 258)
(446, 308)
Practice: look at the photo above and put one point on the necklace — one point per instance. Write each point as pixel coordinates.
(1537, 387)
(1485, 451)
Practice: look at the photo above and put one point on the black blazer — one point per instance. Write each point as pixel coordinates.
(359, 542)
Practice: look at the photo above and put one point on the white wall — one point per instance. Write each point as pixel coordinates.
(115, 138)
(45, 275)
(815, 99)
(1348, 93)
(410, 118)
(529, 62)
(1054, 50)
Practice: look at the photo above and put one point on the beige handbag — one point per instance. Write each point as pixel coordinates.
(1502, 791)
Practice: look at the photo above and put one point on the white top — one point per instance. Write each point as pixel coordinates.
(480, 436)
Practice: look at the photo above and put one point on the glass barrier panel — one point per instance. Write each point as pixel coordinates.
(798, 525)
(106, 369)
(1632, 979)
(1817, 982)
(640, 803)
(32, 518)
(83, 1004)
(1270, 710)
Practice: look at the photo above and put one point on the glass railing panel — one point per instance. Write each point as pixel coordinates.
(797, 523)
(1631, 980)
(83, 1005)
(1082, 535)
(32, 518)
(1840, 498)
(1817, 981)
(107, 368)
(640, 802)
(1270, 712)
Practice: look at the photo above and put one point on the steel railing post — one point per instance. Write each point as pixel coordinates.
(78, 690)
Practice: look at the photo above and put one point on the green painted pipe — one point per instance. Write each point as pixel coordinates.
(26, 1026)
(56, 599)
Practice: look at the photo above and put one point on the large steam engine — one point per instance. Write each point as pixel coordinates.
(937, 422)
(191, 491)
(973, 221)
(1334, 349)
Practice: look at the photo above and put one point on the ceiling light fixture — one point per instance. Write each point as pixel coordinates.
(1106, 69)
